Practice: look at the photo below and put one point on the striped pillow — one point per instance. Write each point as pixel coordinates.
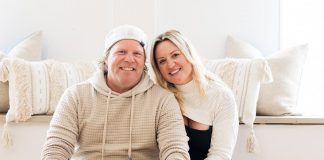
(243, 76)
(29, 49)
(36, 87)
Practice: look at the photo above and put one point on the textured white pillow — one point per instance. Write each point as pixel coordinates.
(35, 87)
(280, 96)
(243, 76)
(29, 49)
(234, 45)
(4, 95)
(2, 55)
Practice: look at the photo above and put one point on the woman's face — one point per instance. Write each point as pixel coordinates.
(173, 65)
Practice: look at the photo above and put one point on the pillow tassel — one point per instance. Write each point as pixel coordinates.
(4, 72)
(252, 144)
(6, 137)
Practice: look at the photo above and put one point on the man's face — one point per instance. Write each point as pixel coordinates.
(125, 64)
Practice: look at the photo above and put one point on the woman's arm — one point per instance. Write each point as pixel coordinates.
(225, 128)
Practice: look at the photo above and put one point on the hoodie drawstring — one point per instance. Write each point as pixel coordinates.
(105, 128)
(131, 128)
(104, 134)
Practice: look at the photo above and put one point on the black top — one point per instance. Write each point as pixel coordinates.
(199, 142)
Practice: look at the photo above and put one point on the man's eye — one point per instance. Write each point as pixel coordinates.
(138, 54)
(121, 52)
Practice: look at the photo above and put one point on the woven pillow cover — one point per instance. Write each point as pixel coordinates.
(36, 87)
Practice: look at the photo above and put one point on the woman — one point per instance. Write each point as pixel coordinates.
(208, 106)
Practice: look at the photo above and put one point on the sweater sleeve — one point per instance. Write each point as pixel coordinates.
(171, 135)
(63, 130)
(225, 129)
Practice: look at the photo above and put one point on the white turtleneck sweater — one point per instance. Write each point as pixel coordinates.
(217, 109)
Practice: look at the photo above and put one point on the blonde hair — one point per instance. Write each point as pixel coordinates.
(200, 75)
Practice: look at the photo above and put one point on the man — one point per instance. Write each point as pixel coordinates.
(119, 113)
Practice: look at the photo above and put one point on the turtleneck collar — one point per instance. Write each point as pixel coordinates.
(188, 87)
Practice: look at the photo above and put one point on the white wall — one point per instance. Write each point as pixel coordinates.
(75, 29)
(72, 30)
(28, 140)
(282, 142)
(207, 23)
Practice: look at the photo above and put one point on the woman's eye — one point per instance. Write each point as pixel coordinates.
(175, 55)
(162, 61)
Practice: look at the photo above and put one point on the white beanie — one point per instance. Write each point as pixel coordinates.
(125, 32)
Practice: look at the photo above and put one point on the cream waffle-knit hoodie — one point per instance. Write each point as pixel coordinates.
(93, 122)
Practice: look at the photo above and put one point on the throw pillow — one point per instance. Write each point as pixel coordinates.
(243, 76)
(280, 96)
(35, 87)
(29, 49)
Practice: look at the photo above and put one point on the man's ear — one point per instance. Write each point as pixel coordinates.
(106, 57)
